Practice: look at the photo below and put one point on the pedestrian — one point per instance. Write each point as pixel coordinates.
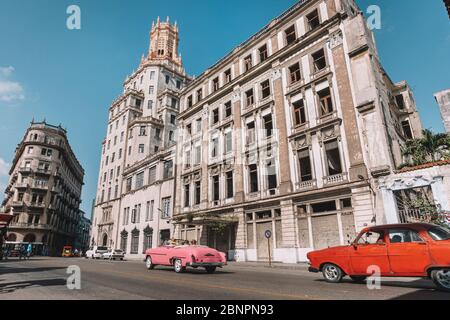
(29, 250)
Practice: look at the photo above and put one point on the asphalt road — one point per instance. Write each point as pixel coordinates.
(46, 278)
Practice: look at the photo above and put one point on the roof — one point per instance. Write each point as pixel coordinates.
(425, 165)
(422, 226)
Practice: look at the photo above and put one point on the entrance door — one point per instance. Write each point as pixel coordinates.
(262, 244)
(325, 230)
(408, 253)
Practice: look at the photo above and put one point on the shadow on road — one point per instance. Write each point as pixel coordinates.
(199, 271)
(8, 270)
(424, 295)
(14, 286)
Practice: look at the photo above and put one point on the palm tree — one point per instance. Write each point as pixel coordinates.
(431, 147)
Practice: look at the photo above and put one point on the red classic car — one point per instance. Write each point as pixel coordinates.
(402, 250)
(175, 253)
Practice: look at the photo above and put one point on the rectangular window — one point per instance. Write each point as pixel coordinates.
(290, 35)
(400, 101)
(305, 165)
(265, 89)
(268, 125)
(216, 189)
(253, 177)
(214, 147)
(407, 129)
(129, 184)
(295, 73)
(151, 89)
(263, 53)
(198, 154)
(299, 113)
(215, 84)
(227, 75)
(173, 119)
(326, 103)
(168, 169)
(187, 195)
(158, 133)
(250, 133)
(271, 174)
(152, 175)
(228, 142)
(313, 20)
(139, 180)
(165, 214)
(142, 131)
(333, 158)
(141, 148)
(250, 100)
(189, 101)
(199, 94)
(319, 60)
(198, 124)
(215, 116)
(230, 191)
(197, 192)
(248, 62)
(228, 109)
(187, 159)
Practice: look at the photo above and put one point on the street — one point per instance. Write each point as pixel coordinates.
(46, 278)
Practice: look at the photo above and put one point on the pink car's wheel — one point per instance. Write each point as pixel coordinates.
(148, 263)
(178, 266)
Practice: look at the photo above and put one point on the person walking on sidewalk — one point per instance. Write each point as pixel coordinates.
(29, 250)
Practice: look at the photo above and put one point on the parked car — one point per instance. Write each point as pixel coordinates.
(401, 250)
(175, 253)
(96, 252)
(114, 254)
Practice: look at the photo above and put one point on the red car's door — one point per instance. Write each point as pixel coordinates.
(369, 253)
(408, 252)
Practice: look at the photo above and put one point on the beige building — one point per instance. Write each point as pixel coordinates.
(44, 190)
(289, 133)
(443, 100)
(135, 193)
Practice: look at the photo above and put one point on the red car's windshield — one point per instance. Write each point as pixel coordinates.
(439, 233)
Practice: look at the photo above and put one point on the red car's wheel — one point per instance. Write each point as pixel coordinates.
(441, 279)
(178, 266)
(332, 273)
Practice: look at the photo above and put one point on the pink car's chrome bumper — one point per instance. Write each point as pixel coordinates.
(206, 264)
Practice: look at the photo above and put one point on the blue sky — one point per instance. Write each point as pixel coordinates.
(71, 77)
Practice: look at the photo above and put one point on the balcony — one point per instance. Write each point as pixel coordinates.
(39, 205)
(335, 179)
(39, 186)
(20, 203)
(43, 171)
(306, 185)
(25, 225)
(21, 185)
(25, 170)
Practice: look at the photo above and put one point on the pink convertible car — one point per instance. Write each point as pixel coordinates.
(180, 256)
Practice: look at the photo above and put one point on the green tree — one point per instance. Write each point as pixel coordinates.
(431, 147)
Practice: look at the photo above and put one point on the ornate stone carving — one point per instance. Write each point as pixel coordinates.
(336, 39)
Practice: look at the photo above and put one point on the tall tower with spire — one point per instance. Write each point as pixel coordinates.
(164, 43)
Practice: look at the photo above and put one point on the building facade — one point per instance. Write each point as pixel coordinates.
(443, 100)
(82, 239)
(289, 133)
(135, 194)
(44, 190)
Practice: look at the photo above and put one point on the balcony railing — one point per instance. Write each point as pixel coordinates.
(29, 225)
(305, 185)
(334, 179)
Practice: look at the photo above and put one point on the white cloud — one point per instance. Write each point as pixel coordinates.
(10, 91)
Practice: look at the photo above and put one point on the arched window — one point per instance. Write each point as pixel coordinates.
(148, 236)
(134, 241)
(29, 238)
(12, 237)
(105, 240)
(123, 240)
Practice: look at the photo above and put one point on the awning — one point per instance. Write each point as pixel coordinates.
(5, 219)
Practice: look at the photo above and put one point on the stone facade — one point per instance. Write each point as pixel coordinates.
(443, 100)
(135, 192)
(289, 134)
(44, 190)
